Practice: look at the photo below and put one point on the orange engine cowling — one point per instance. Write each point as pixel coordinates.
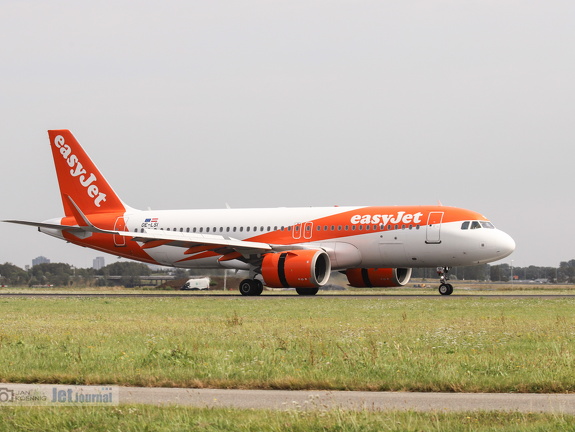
(378, 277)
(296, 269)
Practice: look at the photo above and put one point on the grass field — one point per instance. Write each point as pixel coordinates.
(149, 418)
(470, 344)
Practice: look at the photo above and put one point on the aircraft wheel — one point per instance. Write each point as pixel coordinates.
(258, 286)
(251, 287)
(445, 289)
(307, 291)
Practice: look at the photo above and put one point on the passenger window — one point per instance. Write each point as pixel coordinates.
(201, 229)
(234, 229)
(465, 225)
(208, 229)
(248, 228)
(194, 229)
(188, 229)
(318, 228)
(475, 225)
(221, 229)
(339, 228)
(241, 229)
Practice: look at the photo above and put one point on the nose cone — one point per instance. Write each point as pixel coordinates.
(504, 245)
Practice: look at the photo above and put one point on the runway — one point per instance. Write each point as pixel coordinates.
(291, 296)
(323, 400)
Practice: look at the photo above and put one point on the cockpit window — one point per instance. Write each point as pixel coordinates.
(475, 225)
(487, 225)
(465, 225)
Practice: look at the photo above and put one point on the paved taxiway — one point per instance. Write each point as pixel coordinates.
(312, 399)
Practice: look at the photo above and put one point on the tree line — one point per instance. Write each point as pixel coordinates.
(565, 273)
(61, 274)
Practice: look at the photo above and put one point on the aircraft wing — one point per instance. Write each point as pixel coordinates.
(195, 243)
(188, 240)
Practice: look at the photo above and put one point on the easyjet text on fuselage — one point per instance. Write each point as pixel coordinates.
(384, 219)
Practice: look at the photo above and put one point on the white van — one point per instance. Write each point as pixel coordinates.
(199, 283)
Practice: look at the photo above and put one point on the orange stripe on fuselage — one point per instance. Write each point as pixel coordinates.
(354, 219)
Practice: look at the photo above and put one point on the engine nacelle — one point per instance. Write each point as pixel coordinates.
(378, 277)
(296, 269)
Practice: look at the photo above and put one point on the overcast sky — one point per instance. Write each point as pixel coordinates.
(195, 104)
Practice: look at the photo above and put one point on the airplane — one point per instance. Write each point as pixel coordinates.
(374, 246)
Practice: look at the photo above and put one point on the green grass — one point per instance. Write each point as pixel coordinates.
(469, 344)
(169, 418)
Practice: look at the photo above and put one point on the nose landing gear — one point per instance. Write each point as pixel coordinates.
(444, 288)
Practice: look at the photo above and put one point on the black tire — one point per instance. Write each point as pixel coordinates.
(246, 287)
(251, 287)
(258, 286)
(445, 289)
(307, 291)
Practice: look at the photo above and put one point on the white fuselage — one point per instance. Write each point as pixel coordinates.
(350, 244)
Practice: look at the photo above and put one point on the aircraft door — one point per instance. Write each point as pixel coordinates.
(433, 235)
(304, 229)
(307, 230)
(296, 232)
(120, 225)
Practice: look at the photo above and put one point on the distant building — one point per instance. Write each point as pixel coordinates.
(98, 263)
(40, 260)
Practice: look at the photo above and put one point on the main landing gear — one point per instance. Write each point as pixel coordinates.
(254, 287)
(251, 287)
(444, 288)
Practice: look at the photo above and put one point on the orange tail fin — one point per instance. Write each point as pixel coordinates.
(80, 179)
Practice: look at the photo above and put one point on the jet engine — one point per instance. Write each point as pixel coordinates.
(296, 268)
(378, 277)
